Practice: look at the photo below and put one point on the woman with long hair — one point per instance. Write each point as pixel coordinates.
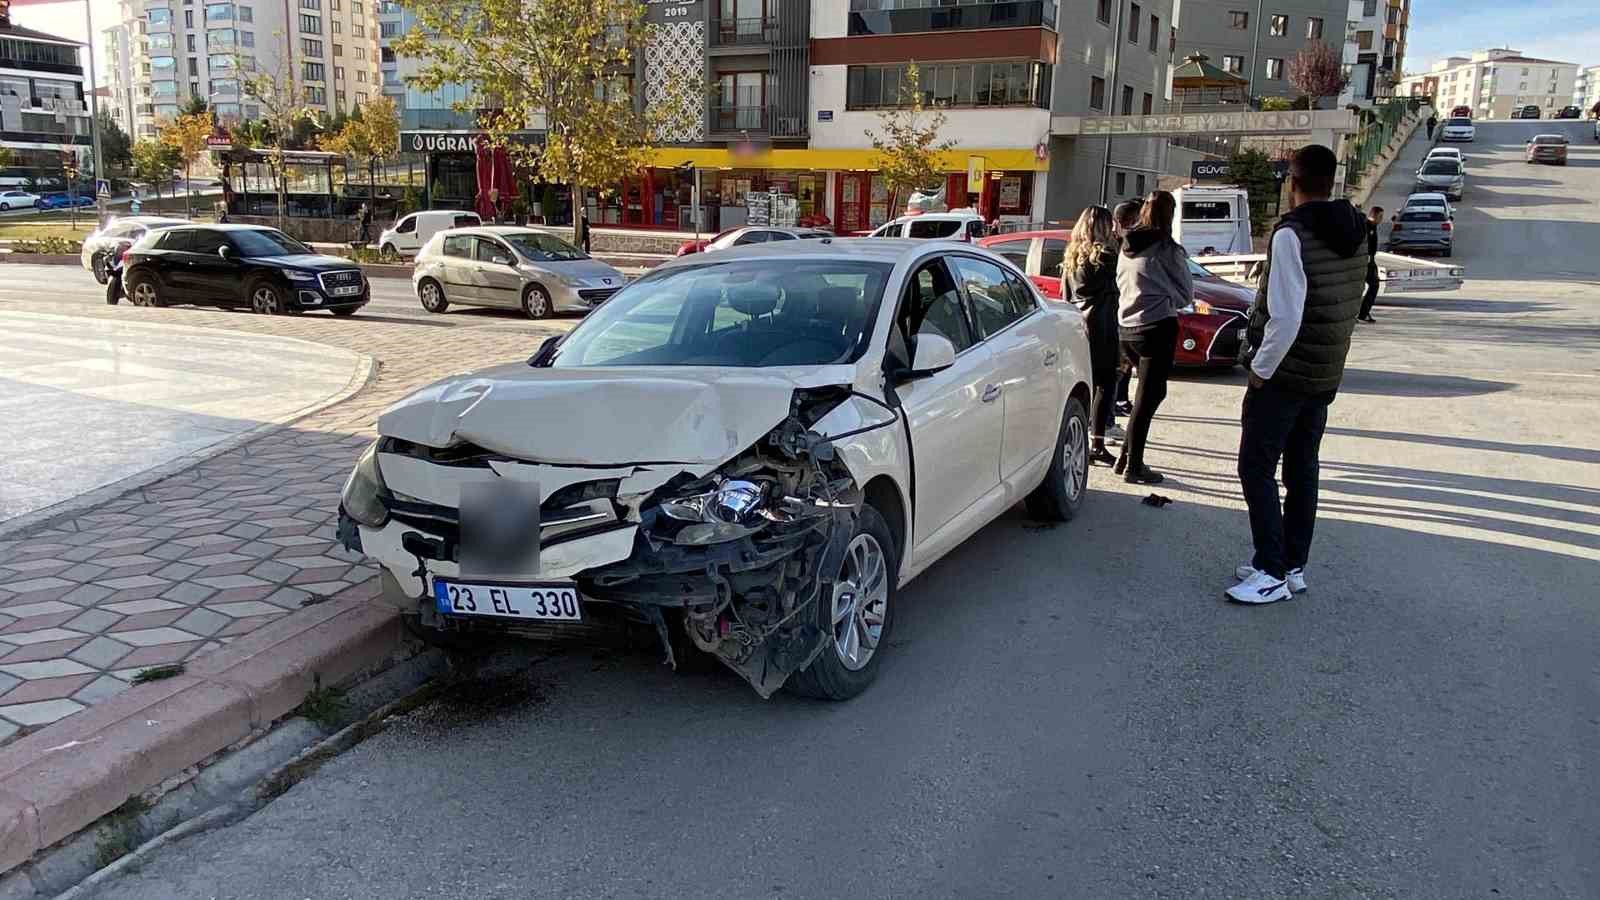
(1154, 283)
(1089, 277)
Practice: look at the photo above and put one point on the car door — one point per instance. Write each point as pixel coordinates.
(405, 235)
(494, 274)
(1025, 361)
(750, 237)
(208, 277)
(455, 268)
(169, 262)
(953, 417)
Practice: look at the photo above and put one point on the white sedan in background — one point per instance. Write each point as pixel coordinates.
(750, 452)
(10, 200)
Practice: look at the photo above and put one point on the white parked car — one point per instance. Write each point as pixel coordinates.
(1447, 153)
(1429, 198)
(119, 234)
(751, 451)
(10, 200)
(415, 230)
(1458, 129)
(956, 225)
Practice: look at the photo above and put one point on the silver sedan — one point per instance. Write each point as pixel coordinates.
(513, 268)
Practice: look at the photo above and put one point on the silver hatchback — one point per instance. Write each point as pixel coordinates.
(513, 268)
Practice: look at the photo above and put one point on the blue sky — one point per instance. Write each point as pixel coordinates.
(1562, 30)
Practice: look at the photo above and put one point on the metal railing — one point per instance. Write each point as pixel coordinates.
(1378, 128)
(725, 119)
(733, 32)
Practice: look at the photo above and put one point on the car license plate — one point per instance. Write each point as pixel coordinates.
(350, 291)
(556, 601)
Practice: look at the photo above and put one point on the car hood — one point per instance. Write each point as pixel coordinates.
(587, 270)
(306, 261)
(695, 416)
(1224, 294)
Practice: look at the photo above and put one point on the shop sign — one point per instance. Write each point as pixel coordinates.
(824, 115)
(758, 208)
(1296, 121)
(456, 141)
(665, 12)
(975, 167)
(1220, 170)
(219, 142)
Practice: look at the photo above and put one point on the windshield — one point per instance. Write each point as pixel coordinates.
(543, 247)
(267, 243)
(1440, 167)
(744, 314)
(1459, 122)
(1196, 270)
(1548, 139)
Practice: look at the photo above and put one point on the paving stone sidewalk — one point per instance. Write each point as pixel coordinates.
(180, 567)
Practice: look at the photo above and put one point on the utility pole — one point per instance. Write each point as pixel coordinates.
(1116, 68)
(1255, 50)
(94, 117)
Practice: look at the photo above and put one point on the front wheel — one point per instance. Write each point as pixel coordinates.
(1059, 497)
(536, 302)
(267, 300)
(432, 296)
(855, 613)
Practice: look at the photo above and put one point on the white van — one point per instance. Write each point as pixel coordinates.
(412, 231)
(1213, 221)
(956, 225)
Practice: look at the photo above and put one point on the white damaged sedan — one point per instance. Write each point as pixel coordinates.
(751, 452)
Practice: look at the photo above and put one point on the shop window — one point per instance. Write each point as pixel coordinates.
(998, 83)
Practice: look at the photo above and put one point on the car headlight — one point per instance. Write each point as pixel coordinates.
(299, 275)
(364, 490)
(569, 280)
(729, 511)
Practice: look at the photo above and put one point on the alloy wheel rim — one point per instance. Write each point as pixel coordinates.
(144, 294)
(266, 302)
(860, 602)
(537, 302)
(430, 296)
(1075, 457)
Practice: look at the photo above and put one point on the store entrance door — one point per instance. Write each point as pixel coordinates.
(853, 206)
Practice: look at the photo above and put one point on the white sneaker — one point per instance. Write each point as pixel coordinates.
(1296, 579)
(1259, 588)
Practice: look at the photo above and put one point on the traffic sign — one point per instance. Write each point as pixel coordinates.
(103, 189)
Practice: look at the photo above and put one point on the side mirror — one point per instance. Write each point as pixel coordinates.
(502, 260)
(934, 353)
(225, 252)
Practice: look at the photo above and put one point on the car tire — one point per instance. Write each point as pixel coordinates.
(1059, 497)
(388, 251)
(267, 299)
(144, 290)
(832, 675)
(430, 294)
(5, 207)
(97, 265)
(536, 302)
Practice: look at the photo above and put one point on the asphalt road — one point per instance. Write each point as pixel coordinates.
(1075, 712)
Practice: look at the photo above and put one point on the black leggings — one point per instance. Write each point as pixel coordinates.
(1151, 352)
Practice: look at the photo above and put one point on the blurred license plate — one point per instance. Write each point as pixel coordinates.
(350, 291)
(555, 601)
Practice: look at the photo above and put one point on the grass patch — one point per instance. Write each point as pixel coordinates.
(119, 831)
(36, 231)
(157, 673)
(325, 706)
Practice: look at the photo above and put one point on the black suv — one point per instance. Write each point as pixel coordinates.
(240, 265)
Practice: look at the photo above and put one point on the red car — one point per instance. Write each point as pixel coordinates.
(1461, 112)
(1208, 336)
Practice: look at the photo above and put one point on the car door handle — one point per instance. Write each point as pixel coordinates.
(1050, 357)
(991, 393)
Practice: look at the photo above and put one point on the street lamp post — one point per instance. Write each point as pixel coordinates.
(94, 116)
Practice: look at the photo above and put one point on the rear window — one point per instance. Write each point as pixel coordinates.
(1207, 210)
(1441, 167)
(936, 228)
(1422, 215)
(467, 220)
(1459, 122)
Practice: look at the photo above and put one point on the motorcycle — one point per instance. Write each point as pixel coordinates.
(113, 266)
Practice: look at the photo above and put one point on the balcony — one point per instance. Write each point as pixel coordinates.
(763, 121)
(743, 32)
(881, 16)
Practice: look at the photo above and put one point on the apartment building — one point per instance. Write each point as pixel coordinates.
(1586, 88)
(116, 51)
(1496, 81)
(1375, 48)
(1256, 39)
(1118, 61)
(182, 49)
(44, 115)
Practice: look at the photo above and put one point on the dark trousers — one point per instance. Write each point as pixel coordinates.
(1105, 355)
(1280, 423)
(1151, 351)
(1124, 378)
(1371, 296)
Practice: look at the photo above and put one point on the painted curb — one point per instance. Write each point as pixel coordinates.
(364, 371)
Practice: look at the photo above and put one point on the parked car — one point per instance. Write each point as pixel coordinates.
(62, 200)
(1422, 229)
(1527, 112)
(1458, 129)
(1461, 112)
(414, 230)
(119, 234)
(1444, 175)
(751, 234)
(1569, 112)
(10, 200)
(952, 226)
(1447, 153)
(1209, 331)
(749, 454)
(240, 266)
(513, 268)
(1433, 199)
(1547, 148)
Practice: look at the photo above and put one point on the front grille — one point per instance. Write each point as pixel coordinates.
(341, 279)
(1226, 344)
(596, 296)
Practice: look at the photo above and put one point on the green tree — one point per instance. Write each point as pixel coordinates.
(153, 162)
(284, 109)
(186, 135)
(115, 147)
(562, 61)
(1276, 104)
(1251, 169)
(1316, 71)
(367, 136)
(194, 106)
(907, 141)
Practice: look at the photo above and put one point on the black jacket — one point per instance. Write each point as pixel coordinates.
(1094, 289)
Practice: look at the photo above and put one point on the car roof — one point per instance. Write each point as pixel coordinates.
(227, 226)
(1426, 195)
(1064, 234)
(1553, 137)
(880, 250)
(496, 230)
(148, 220)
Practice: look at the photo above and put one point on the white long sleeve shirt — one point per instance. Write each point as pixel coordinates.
(1286, 302)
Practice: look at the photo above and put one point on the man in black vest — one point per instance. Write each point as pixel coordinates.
(1299, 334)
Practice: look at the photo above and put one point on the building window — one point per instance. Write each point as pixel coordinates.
(194, 88)
(338, 49)
(1313, 28)
(1149, 105)
(1240, 20)
(360, 53)
(361, 98)
(310, 24)
(1097, 93)
(1127, 99)
(998, 83)
(1232, 63)
(188, 37)
(1155, 33)
(1369, 8)
(1274, 70)
(333, 5)
(358, 8)
(358, 30)
(317, 96)
(1133, 23)
(194, 66)
(312, 71)
(388, 29)
(188, 18)
(311, 4)
(1364, 40)
(1102, 11)
(337, 28)
(361, 76)
(246, 15)
(1139, 180)
(1122, 184)
(338, 73)
(1278, 26)
(247, 38)
(311, 48)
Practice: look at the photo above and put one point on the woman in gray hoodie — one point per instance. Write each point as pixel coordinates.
(1154, 283)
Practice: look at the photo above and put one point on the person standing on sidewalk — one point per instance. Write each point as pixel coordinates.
(1090, 279)
(1126, 216)
(1297, 340)
(1153, 283)
(1374, 218)
(1433, 122)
